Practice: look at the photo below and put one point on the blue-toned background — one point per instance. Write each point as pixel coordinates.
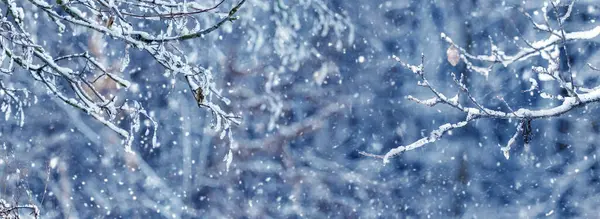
(315, 83)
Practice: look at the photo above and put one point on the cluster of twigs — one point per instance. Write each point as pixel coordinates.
(12, 212)
(73, 78)
(548, 49)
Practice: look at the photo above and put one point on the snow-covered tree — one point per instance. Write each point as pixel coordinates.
(41, 37)
(566, 94)
(84, 55)
(315, 83)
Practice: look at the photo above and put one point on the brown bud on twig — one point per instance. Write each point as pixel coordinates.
(199, 95)
(110, 22)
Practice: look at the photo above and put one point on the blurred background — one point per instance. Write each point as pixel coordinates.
(315, 84)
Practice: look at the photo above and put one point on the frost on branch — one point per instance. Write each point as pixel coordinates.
(85, 77)
(548, 49)
(17, 211)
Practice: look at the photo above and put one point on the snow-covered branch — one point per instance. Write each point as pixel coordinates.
(533, 49)
(12, 211)
(79, 78)
(548, 49)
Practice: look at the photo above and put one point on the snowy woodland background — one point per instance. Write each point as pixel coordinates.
(86, 85)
